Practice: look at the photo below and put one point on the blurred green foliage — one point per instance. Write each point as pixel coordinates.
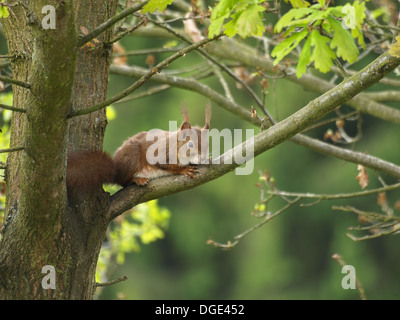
(289, 257)
(146, 222)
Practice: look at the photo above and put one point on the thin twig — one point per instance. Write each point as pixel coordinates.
(375, 25)
(143, 79)
(147, 51)
(384, 96)
(219, 64)
(335, 196)
(267, 218)
(240, 236)
(368, 214)
(381, 224)
(3, 106)
(9, 5)
(109, 283)
(341, 68)
(127, 31)
(223, 82)
(16, 82)
(4, 64)
(11, 149)
(374, 235)
(359, 286)
(110, 22)
(146, 93)
(238, 110)
(323, 123)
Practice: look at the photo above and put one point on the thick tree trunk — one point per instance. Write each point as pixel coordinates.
(44, 227)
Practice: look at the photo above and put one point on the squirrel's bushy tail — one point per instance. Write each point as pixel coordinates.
(90, 169)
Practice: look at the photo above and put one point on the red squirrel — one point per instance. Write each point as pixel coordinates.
(136, 160)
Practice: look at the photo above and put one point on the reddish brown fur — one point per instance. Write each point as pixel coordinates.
(89, 169)
(129, 158)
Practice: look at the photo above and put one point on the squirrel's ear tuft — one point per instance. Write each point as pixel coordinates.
(185, 125)
(185, 118)
(208, 115)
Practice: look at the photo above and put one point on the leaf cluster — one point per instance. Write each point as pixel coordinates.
(325, 31)
(147, 222)
(245, 18)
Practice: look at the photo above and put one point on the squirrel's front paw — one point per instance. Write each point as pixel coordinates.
(140, 181)
(190, 171)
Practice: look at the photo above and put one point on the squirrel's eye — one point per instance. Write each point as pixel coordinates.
(190, 144)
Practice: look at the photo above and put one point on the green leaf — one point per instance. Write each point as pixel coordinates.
(299, 3)
(322, 54)
(216, 26)
(146, 222)
(360, 13)
(357, 34)
(238, 25)
(292, 14)
(353, 18)
(247, 22)
(154, 5)
(304, 58)
(394, 49)
(360, 16)
(342, 41)
(110, 113)
(223, 8)
(313, 18)
(287, 45)
(4, 12)
(171, 44)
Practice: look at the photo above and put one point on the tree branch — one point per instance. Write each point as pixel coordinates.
(11, 149)
(337, 195)
(148, 92)
(228, 49)
(284, 130)
(348, 155)
(231, 106)
(267, 218)
(383, 96)
(16, 82)
(359, 286)
(127, 31)
(143, 79)
(218, 64)
(109, 283)
(192, 85)
(110, 22)
(147, 52)
(3, 106)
